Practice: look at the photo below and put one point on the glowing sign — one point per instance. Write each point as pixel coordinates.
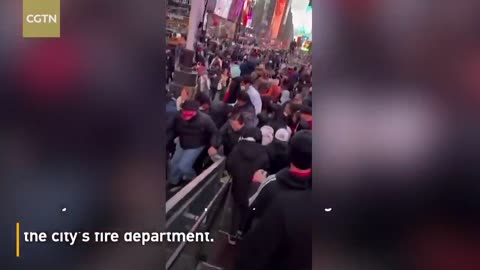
(223, 8)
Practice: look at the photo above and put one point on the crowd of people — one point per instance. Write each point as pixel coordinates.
(255, 108)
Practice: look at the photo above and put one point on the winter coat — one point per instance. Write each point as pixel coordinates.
(278, 155)
(282, 182)
(245, 159)
(197, 132)
(282, 239)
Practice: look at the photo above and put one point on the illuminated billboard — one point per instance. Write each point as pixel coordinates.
(236, 10)
(302, 22)
(278, 17)
(222, 8)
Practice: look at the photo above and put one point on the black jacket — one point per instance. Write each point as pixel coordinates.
(278, 155)
(228, 138)
(199, 131)
(282, 239)
(234, 90)
(242, 163)
(282, 182)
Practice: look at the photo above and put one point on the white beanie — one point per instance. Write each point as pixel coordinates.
(282, 135)
(289, 130)
(285, 97)
(267, 135)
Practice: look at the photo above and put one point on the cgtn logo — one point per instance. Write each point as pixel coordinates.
(41, 18)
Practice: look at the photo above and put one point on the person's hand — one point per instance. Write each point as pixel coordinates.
(260, 176)
(184, 95)
(212, 151)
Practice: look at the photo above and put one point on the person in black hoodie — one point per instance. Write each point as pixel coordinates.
(297, 177)
(246, 158)
(229, 135)
(195, 130)
(282, 240)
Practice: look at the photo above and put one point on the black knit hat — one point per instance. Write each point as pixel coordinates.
(190, 105)
(252, 132)
(300, 150)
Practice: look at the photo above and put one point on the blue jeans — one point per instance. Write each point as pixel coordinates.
(181, 164)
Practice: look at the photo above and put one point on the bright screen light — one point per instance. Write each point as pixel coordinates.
(302, 18)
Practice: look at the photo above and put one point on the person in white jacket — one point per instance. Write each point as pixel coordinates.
(255, 97)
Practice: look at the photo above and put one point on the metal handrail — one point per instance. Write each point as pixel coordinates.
(194, 228)
(187, 203)
(179, 196)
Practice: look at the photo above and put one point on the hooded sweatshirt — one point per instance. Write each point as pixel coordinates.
(278, 155)
(200, 131)
(282, 182)
(282, 239)
(246, 158)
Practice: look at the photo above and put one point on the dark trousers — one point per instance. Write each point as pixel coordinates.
(213, 93)
(249, 220)
(240, 213)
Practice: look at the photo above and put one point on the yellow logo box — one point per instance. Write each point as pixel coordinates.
(41, 18)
